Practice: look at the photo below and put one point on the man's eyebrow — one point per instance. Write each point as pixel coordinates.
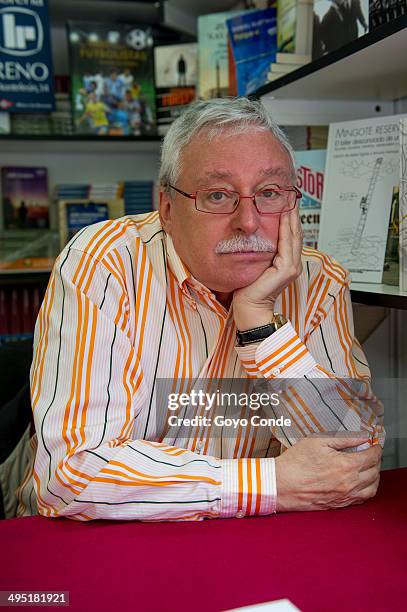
(277, 172)
(214, 174)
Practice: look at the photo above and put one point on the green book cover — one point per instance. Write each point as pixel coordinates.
(213, 54)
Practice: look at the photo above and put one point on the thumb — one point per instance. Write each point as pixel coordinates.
(347, 439)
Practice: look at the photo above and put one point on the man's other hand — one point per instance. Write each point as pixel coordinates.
(316, 473)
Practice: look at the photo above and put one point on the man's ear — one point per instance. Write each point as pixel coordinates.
(165, 210)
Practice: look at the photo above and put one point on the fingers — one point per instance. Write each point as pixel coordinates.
(368, 458)
(297, 235)
(285, 239)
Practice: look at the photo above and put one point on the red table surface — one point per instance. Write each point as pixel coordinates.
(349, 559)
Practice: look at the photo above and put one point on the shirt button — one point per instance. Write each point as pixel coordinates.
(240, 514)
(275, 372)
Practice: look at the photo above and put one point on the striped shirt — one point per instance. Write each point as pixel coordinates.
(121, 313)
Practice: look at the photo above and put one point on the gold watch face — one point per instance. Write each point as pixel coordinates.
(279, 320)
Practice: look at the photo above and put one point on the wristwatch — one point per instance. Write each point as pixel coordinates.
(250, 336)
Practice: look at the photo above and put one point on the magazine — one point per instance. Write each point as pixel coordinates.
(403, 205)
(253, 47)
(213, 81)
(175, 81)
(294, 26)
(76, 214)
(362, 169)
(391, 266)
(337, 23)
(25, 200)
(311, 169)
(112, 79)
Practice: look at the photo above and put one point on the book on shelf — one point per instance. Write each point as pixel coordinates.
(384, 11)
(19, 308)
(294, 25)
(176, 74)
(5, 125)
(213, 72)
(74, 215)
(362, 169)
(281, 69)
(310, 172)
(112, 79)
(293, 58)
(25, 202)
(338, 23)
(391, 266)
(403, 205)
(137, 196)
(58, 122)
(252, 48)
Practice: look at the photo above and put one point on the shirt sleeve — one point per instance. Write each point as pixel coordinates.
(323, 380)
(88, 388)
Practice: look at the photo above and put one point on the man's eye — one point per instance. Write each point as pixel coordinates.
(218, 196)
(269, 194)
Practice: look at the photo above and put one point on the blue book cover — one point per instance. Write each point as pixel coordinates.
(253, 44)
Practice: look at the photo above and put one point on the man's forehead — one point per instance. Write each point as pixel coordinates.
(267, 172)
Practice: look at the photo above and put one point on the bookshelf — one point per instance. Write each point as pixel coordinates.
(359, 80)
(373, 66)
(362, 79)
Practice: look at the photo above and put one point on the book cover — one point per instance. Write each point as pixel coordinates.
(253, 45)
(175, 81)
(112, 79)
(310, 172)
(403, 205)
(294, 26)
(383, 11)
(76, 214)
(391, 266)
(25, 199)
(213, 78)
(337, 23)
(362, 168)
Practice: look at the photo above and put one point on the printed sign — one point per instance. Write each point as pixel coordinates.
(26, 74)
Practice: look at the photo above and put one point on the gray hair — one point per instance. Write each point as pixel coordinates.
(236, 115)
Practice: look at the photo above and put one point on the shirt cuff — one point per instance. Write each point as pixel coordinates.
(281, 355)
(248, 487)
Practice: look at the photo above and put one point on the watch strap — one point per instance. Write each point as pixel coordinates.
(256, 334)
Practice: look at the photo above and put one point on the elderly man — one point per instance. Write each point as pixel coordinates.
(214, 286)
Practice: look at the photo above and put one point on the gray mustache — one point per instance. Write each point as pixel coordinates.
(239, 244)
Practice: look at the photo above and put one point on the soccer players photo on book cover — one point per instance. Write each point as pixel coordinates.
(112, 79)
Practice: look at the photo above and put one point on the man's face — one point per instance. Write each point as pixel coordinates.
(241, 162)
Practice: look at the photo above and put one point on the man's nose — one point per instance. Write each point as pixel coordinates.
(246, 218)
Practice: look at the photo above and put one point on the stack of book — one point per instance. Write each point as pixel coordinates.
(59, 122)
(286, 63)
(138, 197)
(83, 204)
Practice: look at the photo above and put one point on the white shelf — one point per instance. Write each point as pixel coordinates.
(70, 145)
(374, 294)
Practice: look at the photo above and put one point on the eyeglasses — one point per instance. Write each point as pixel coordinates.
(269, 200)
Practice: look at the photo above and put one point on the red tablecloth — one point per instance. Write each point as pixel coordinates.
(351, 559)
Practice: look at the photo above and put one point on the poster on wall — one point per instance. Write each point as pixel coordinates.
(112, 79)
(26, 75)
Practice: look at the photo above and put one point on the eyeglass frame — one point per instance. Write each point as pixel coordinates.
(192, 196)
